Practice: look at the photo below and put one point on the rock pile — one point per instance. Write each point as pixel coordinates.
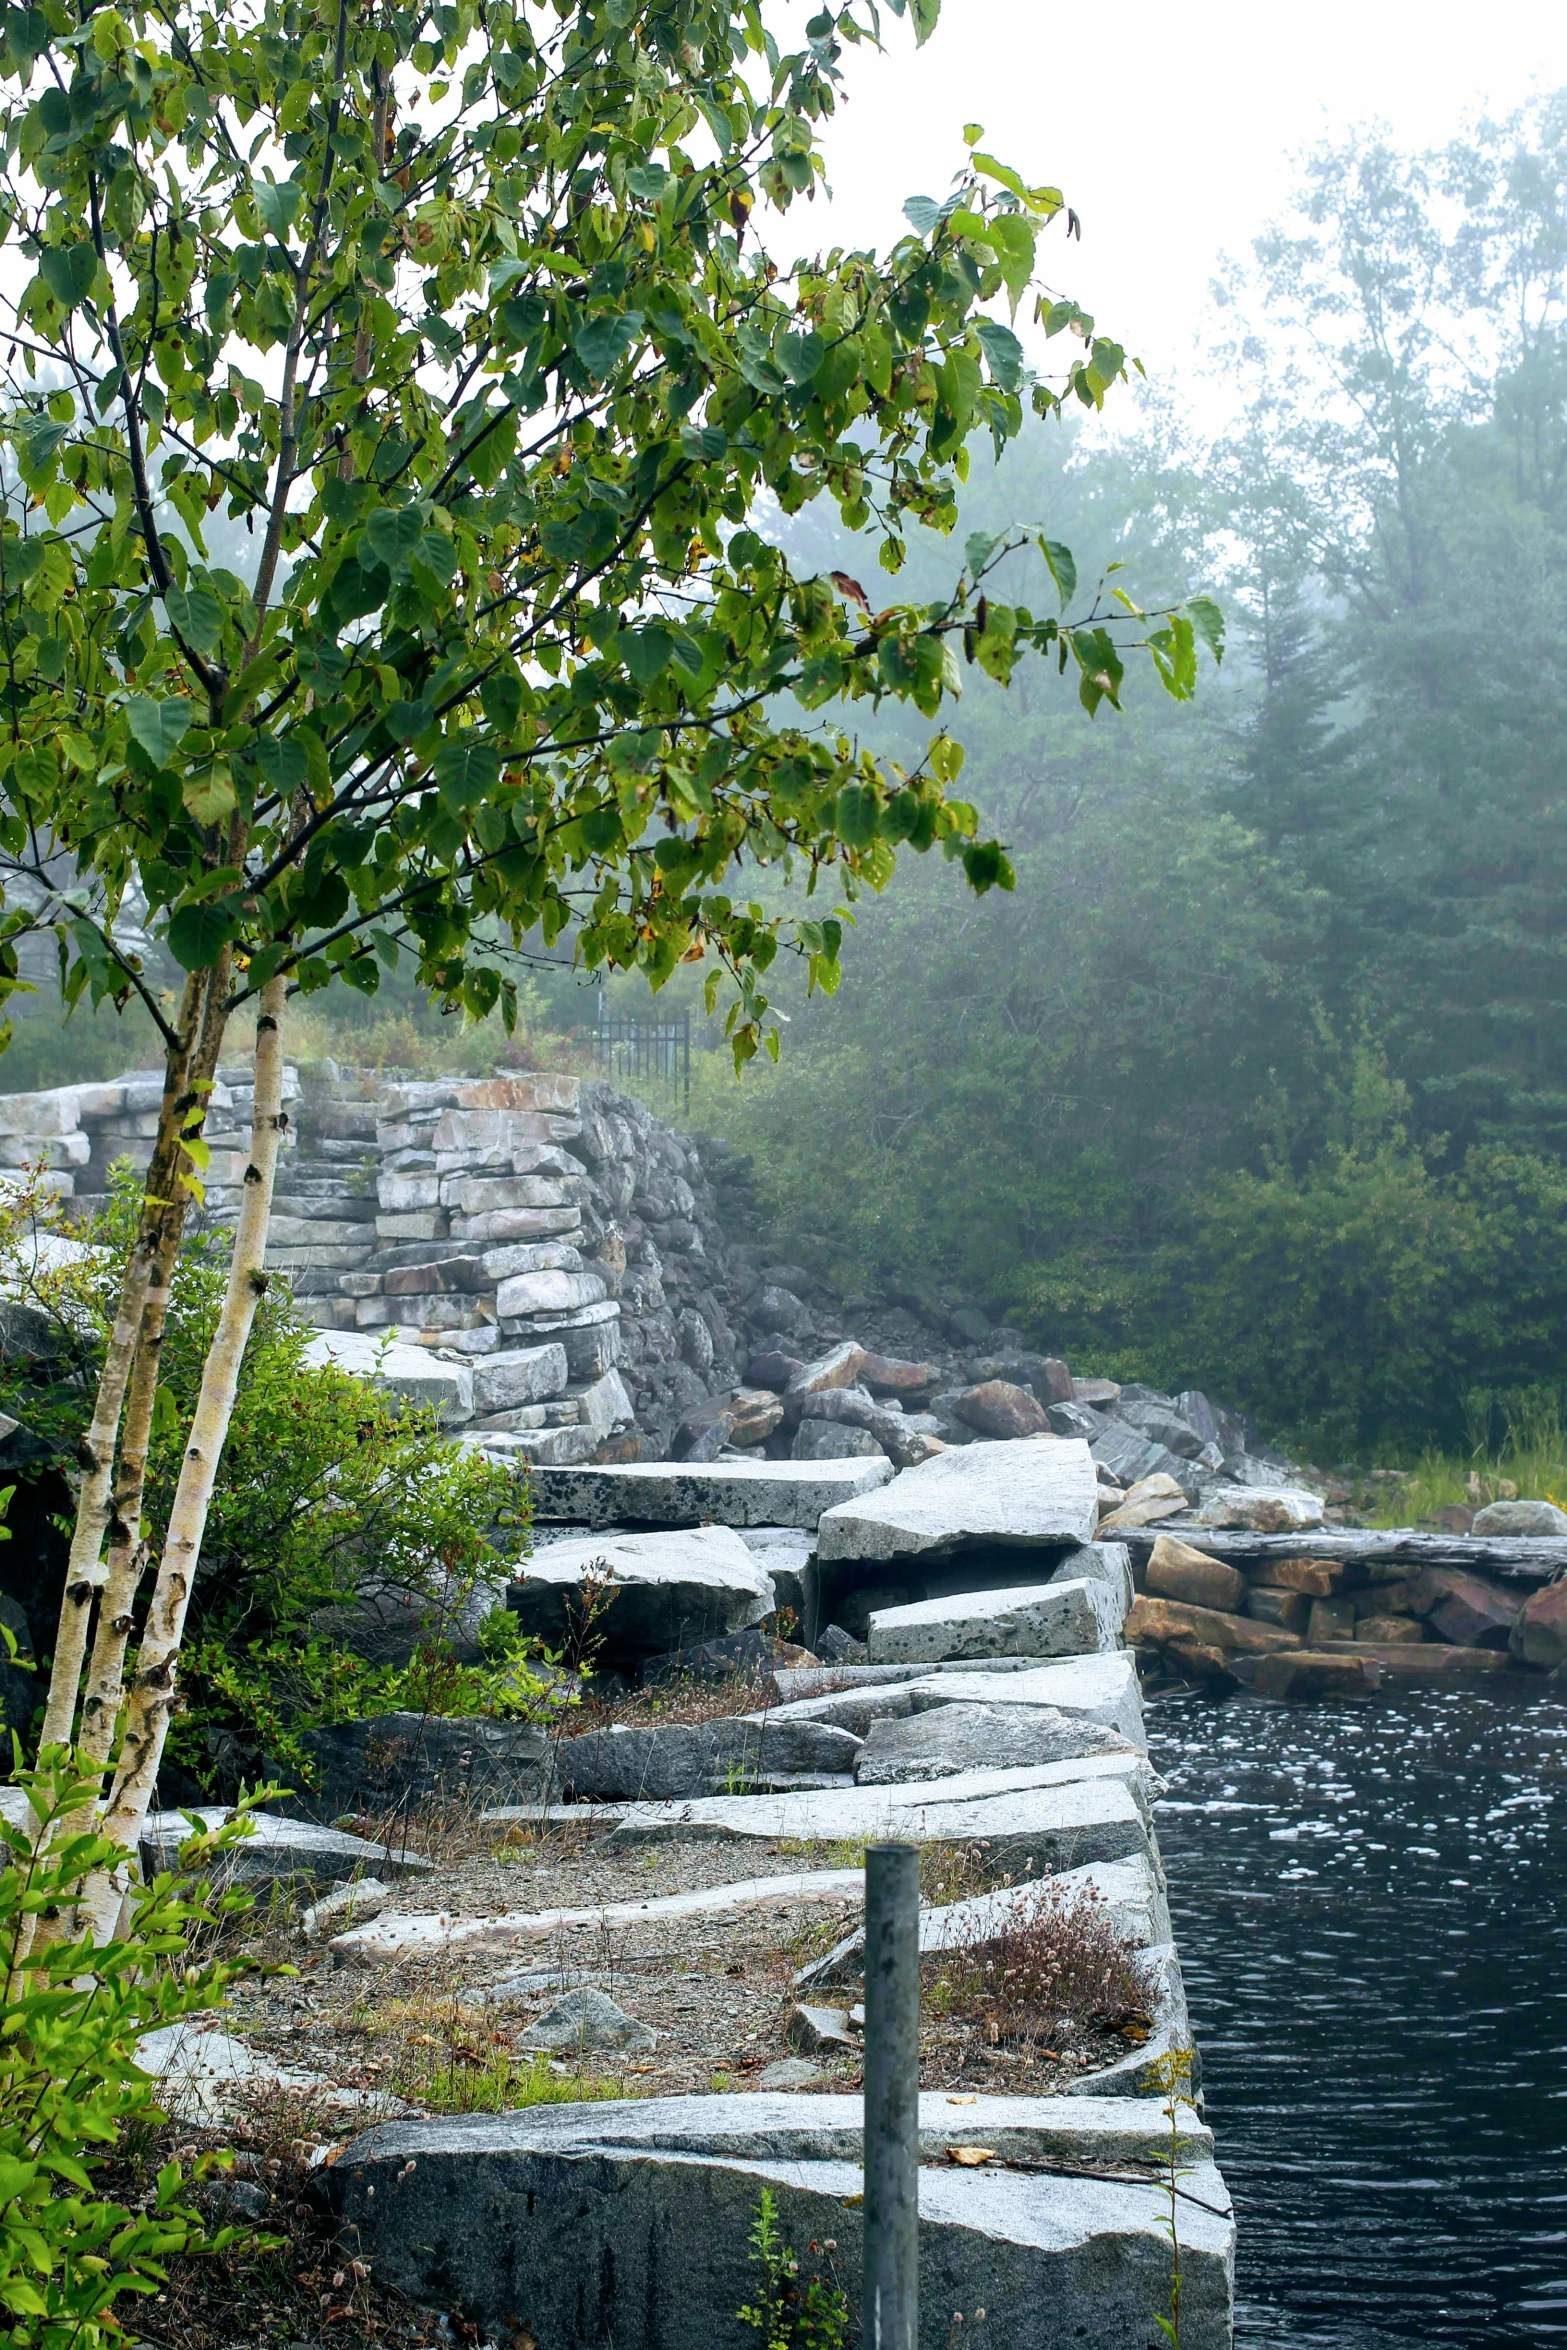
(1310, 1627)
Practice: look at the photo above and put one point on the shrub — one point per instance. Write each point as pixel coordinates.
(329, 1491)
(1057, 1972)
(70, 2086)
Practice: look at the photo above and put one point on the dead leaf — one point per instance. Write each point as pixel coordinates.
(970, 2157)
(851, 589)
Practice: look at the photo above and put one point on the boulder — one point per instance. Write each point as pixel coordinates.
(821, 2031)
(733, 1656)
(1520, 1517)
(1305, 1675)
(1539, 1637)
(905, 1439)
(708, 1430)
(893, 1375)
(644, 2208)
(772, 1369)
(998, 1409)
(407, 1371)
(1465, 1609)
(667, 1590)
(389, 1761)
(1046, 1619)
(1161, 1423)
(780, 1310)
(1072, 1417)
(755, 1413)
(1203, 1661)
(1388, 1629)
(839, 1367)
(1037, 1492)
(1176, 1571)
(833, 1440)
(1150, 1623)
(1198, 1413)
(1095, 1391)
(1283, 1509)
(1111, 1562)
(587, 2020)
(1149, 1500)
(672, 1759)
(947, 1739)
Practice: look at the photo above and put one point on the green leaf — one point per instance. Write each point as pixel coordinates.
(602, 343)
(647, 181)
(467, 769)
(1003, 352)
(647, 652)
(856, 816)
(159, 727)
(922, 213)
(1062, 568)
(925, 14)
(209, 795)
(391, 536)
(282, 761)
(196, 616)
(198, 934)
(277, 205)
(801, 356)
(1208, 620)
(68, 271)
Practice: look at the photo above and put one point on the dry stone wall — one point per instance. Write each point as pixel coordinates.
(545, 1230)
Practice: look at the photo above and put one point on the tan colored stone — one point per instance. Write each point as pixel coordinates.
(892, 1375)
(1177, 1571)
(1287, 1608)
(1308, 1674)
(1388, 1629)
(1318, 1578)
(1330, 1619)
(840, 1368)
(1152, 1622)
(1540, 1634)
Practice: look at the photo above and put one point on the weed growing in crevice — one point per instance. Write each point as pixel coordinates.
(789, 2314)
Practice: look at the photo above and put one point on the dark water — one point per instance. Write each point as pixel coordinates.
(1371, 1907)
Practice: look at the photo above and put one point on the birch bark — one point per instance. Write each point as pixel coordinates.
(180, 1113)
(150, 1691)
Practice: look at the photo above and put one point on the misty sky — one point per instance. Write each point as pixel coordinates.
(1170, 130)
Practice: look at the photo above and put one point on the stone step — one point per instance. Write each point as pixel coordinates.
(1035, 1490)
(1047, 1619)
(729, 1493)
(664, 2228)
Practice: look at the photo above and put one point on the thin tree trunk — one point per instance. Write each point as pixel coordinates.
(150, 1698)
(162, 1202)
(127, 1552)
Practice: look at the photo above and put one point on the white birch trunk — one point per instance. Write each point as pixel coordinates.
(150, 1695)
(85, 1569)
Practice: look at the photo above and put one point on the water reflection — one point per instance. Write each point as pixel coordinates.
(1369, 1907)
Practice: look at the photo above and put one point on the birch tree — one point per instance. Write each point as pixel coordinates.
(461, 322)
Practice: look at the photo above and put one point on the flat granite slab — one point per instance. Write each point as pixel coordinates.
(628, 2223)
(279, 1849)
(685, 1493)
(1078, 1618)
(1055, 1816)
(1038, 1491)
(1103, 1689)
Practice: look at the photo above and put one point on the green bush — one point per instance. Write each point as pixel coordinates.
(328, 1488)
(70, 2087)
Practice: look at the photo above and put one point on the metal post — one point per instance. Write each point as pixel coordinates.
(892, 2097)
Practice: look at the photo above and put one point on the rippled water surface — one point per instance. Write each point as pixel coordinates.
(1370, 1908)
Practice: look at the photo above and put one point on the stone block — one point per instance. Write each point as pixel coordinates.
(679, 1759)
(407, 1371)
(477, 1195)
(735, 1493)
(1177, 1571)
(893, 1375)
(821, 2031)
(833, 1440)
(1110, 1562)
(1330, 1619)
(279, 1850)
(1289, 1609)
(669, 1590)
(1539, 1637)
(1150, 1623)
(388, 1762)
(414, 1224)
(1387, 1629)
(463, 1275)
(653, 2201)
(529, 1374)
(1048, 1619)
(398, 1193)
(1036, 1492)
(604, 1406)
(1305, 1675)
(529, 1256)
(515, 1224)
(944, 1740)
(526, 1294)
(1465, 1609)
(1317, 1578)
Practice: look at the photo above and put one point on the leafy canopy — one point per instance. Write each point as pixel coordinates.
(400, 395)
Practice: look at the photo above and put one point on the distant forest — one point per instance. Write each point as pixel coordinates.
(1256, 1079)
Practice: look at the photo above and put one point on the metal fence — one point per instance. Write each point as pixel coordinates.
(646, 1052)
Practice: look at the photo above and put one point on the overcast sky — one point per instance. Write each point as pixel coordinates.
(1170, 130)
